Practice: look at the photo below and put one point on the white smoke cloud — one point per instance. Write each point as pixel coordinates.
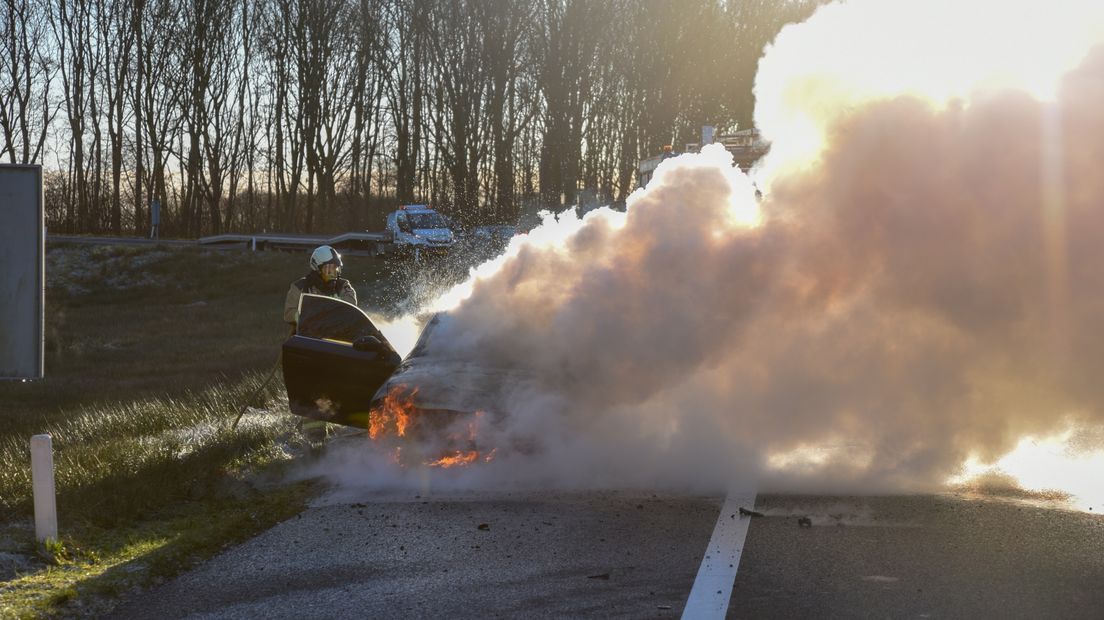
(849, 54)
(922, 282)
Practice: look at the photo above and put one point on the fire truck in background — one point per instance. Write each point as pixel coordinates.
(746, 146)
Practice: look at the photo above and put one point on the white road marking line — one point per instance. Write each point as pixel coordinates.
(712, 589)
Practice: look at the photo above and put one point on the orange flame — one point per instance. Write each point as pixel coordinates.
(457, 458)
(394, 416)
(394, 412)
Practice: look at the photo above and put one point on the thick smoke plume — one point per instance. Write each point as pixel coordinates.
(922, 281)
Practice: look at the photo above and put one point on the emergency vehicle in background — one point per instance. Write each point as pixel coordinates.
(418, 229)
(746, 146)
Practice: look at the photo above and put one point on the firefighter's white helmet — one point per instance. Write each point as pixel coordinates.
(322, 256)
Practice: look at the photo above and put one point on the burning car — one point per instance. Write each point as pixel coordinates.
(338, 367)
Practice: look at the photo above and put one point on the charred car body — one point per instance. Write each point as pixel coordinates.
(338, 367)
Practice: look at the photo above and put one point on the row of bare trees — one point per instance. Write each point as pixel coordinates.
(310, 115)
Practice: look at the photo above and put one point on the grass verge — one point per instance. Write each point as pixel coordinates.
(86, 572)
(113, 462)
(145, 490)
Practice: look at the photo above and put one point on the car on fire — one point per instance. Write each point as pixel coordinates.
(338, 367)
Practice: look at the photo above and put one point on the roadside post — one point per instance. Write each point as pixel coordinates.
(155, 219)
(42, 480)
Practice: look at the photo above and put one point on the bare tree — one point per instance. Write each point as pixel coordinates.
(25, 79)
(457, 46)
(158, 94)
(224, 131)
(71, 30)
(366, 99)
(325, 53)
(248, 117)
(287, 146)
(509, 108)
(115, 33)
(571, 41)
(138, 9)
(406, 59)
(208, 57)
(307, 114)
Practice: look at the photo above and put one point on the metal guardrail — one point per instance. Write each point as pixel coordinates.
(356, 242)
(353, 242)
(51, 239)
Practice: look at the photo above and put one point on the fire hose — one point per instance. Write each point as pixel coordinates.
(253, 396)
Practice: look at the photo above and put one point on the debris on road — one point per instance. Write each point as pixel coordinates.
(744, 512)
(605, 576)
(804, 522)
(484, 526)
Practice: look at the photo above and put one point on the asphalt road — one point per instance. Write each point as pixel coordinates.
(357, 554)
(920, 557)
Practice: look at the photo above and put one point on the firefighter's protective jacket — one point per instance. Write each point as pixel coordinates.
(312, 283)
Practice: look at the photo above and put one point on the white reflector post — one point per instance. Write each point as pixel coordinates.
(42, 479)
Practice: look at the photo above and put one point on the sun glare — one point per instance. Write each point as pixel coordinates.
(859, 51)
(402, 333)
(1047, 464)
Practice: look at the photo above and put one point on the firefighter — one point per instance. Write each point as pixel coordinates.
(324, 278)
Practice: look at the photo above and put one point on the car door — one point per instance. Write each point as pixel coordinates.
(335, 361)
